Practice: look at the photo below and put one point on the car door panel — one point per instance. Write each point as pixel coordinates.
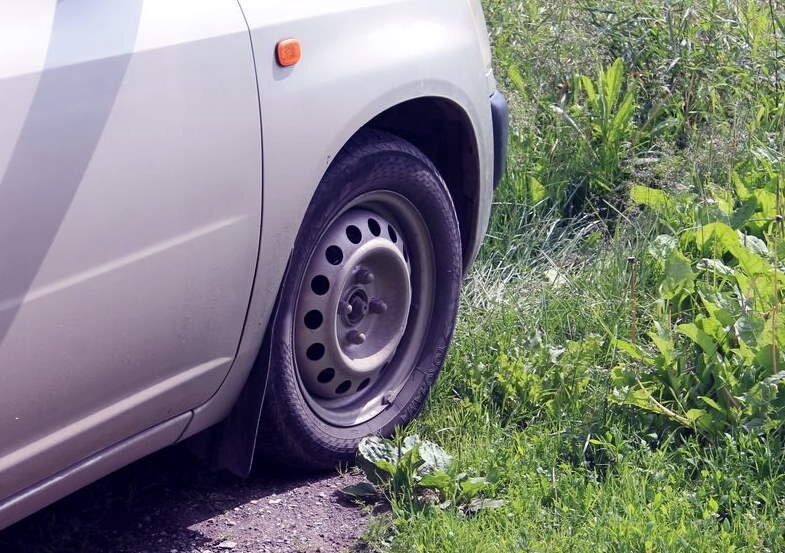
(130, 212)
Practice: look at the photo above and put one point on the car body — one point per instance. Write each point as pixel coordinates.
(156, 163)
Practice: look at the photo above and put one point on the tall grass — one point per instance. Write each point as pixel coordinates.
(581, 375)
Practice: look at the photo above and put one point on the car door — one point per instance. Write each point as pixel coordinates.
(130, 212)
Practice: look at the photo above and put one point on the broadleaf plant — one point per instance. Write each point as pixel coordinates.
(407, 472)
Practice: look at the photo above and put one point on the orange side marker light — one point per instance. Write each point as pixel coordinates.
(288, 52)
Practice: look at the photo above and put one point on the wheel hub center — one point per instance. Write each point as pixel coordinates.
(356, 303)
(354, 307)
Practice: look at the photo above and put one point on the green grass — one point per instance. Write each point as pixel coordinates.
(604, 417)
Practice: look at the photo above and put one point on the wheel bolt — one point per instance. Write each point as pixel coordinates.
(345, 308)
(355, 337)
(364, 276)
(377, 306)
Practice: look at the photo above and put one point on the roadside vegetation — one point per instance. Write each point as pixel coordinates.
(616, 382)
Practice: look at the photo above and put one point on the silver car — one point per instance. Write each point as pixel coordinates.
(243, 222)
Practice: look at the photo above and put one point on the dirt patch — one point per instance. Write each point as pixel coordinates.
(169, 503)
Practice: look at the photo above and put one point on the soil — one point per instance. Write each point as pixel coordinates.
(170, 503)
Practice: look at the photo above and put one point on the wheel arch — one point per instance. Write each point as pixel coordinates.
(443, 131)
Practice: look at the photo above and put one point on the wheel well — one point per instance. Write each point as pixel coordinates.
(442, 131)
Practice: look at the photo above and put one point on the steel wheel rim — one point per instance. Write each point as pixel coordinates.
(363, 307)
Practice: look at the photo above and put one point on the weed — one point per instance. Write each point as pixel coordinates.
(406, 470)
(623, 410)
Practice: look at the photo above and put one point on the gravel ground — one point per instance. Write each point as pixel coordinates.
(169, 503)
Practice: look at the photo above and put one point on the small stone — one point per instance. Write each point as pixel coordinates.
(274, 501)
(227, 545)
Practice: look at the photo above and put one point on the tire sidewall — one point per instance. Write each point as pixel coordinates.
(382, 164)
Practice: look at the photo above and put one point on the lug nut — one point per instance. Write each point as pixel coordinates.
(364, 276)
(345, 308)
(355, 337)
(377, 306)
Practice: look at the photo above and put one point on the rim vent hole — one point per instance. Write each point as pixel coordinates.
(334, 255)
(326, 376)
(315, 351)
(354, 234)
(374, 227)
(320, 285)
(314, 319)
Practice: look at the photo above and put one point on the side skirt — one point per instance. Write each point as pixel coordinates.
(91, 469)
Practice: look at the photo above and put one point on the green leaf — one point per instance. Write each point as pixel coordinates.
(712, 326)
(741, 189)
(622, 117)
(753, 244)
(661, 247)
(716, 266)
(537, 191)
(749, 327)
(752, 264)
(410, 460)
(711, 403)
(437, 481)
(744, 213)
(773, 333)
(678, 276)
(473, 486)
(409, 443)
(725, 318)
(386, 466)
(767, 203)
(517, 79)
(665, 345)
(698, 336)
(476, 505)
(650, 197)
(696, 414)
(588, 86)
(612, 82)
(718, 234)
(630, 349)
(556, 278)
(374, 448)
(436, 459)
(361, 490)
(765, 354)
(377, 458)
